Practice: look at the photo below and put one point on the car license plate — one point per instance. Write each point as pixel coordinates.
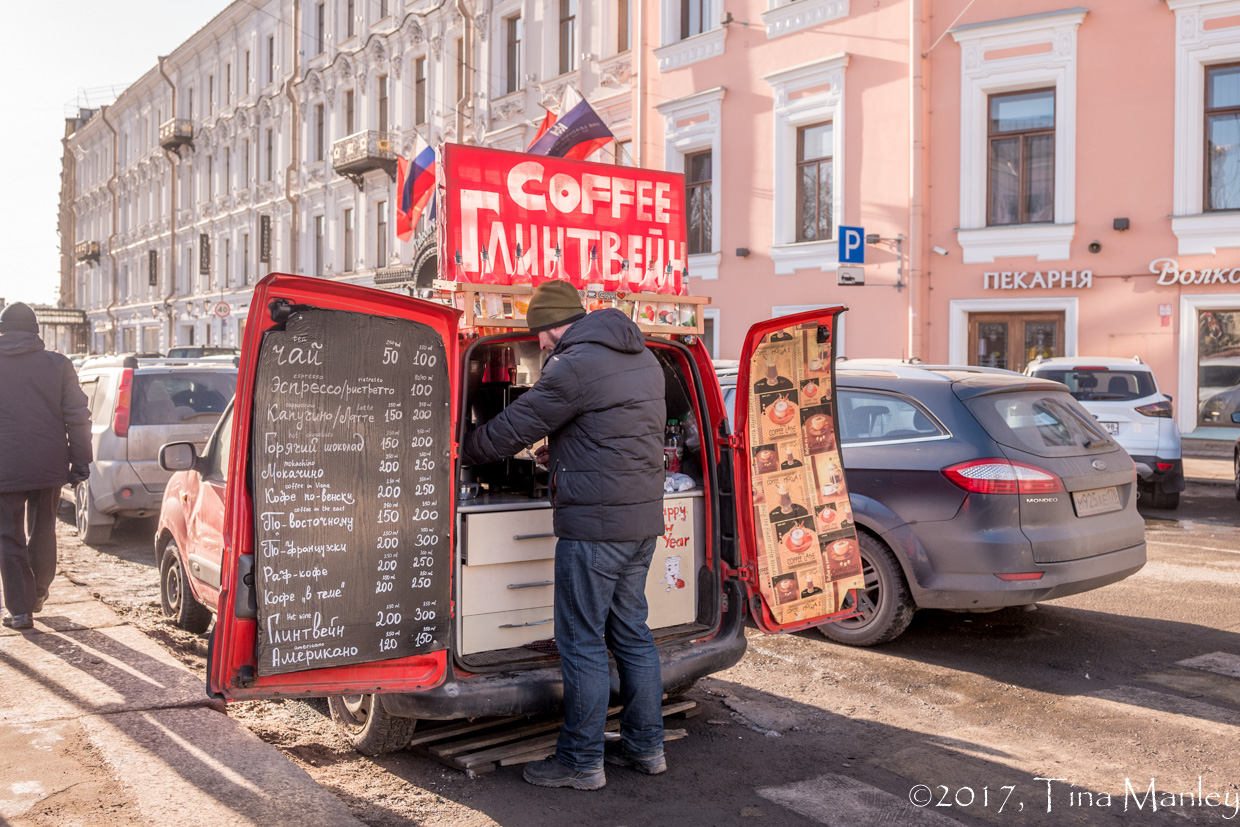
(1112, 427)
(1096, 501)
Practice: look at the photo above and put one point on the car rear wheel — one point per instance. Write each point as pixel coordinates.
(369, 728)
(886, 609)
(93, 528)
(175, 595)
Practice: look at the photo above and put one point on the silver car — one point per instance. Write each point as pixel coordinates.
(136, 406)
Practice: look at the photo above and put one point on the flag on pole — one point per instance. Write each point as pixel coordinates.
(415, 181)
(577, 133)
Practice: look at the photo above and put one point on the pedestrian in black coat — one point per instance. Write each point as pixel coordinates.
(44, 443)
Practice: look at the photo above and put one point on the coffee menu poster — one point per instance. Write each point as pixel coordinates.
(351, 478)
(808, 556)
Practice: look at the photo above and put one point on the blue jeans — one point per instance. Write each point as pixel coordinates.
(600, 604)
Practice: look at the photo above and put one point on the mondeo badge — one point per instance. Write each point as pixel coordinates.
(1100, 465)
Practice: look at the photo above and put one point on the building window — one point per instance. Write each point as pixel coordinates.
(697, 194)
(318, 245)
(693, 17)
(189, 97)
(320, 128)
(568, 36)
(814, 179)
(227, 84)
(226, 255)
(271, 58)
(1222, 137)
(419, 90)
(623, 42)
(383, 9)
(512, 66)
(624, 153)
(246, 90)
(1018, 137)
(245, 163)
(320, 28)
(347, 231)
(1021, 158)
(210, 95)
(382, 82)
(210, 188)
(227, 170)
(459, 47)
(381, 233)
(350, 13)
(808, 189)
(271, 158)
(349, 110)
(245, 259)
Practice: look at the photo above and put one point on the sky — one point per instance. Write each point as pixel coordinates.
(48, 60)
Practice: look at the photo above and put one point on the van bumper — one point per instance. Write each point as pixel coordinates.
(542, 690)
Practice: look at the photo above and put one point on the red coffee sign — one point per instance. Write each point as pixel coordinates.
(497, 200)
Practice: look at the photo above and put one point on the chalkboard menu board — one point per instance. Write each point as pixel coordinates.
(351, 478)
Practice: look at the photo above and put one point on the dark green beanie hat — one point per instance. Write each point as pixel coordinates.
(554, 303)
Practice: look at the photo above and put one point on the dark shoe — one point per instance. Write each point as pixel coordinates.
(552, 773)
(19, 621)
(613, 753)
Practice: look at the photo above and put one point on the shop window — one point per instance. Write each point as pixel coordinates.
(1018, 137)
(1222, 127)
(1218, 366)
(1021, 166)
(814, 150)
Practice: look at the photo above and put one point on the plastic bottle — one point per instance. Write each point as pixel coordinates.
(620, 299)
(673, 450)
(494, 302)
(520, 301)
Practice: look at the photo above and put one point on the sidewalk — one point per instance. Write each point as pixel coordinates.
(1208, 461)
(100, 725)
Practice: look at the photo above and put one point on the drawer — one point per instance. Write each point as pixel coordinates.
(508, 537)
(506, 630)
(507, 586)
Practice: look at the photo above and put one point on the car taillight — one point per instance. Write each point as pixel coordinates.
(1164, 466)
(1000, 476)
(124, 396)
(1162, 409)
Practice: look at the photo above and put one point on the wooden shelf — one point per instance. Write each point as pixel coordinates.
(470, 299)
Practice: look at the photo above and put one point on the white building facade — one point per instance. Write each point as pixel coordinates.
(267, 142)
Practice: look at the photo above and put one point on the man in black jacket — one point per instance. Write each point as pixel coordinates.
(600, 402)
(44, 443)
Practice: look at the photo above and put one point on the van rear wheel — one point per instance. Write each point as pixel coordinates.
(885, 606)
(367, 726)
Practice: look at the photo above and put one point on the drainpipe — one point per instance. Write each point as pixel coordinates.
(172, 206)
(917, 183)
(290, 173)
(116, 162)
(640, 157)
(465, 93)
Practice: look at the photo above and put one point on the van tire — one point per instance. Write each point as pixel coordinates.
(93, 528)
(175, 595)
(888, 607)
(367, 725)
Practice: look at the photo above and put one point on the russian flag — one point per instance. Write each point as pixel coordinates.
(577, 133)
(415, 180)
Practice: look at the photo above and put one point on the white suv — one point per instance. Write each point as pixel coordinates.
(1123, 396)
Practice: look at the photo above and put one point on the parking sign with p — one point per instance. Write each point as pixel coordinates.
(852, 245)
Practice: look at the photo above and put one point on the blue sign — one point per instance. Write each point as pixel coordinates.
(852, 245)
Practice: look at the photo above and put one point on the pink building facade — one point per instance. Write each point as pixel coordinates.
(1033, 178)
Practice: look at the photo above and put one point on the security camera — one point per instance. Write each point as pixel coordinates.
(940, 250)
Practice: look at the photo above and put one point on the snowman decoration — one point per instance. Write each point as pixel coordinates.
(671, 574)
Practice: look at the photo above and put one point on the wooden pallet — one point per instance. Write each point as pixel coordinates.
(471, 300)
(483, 744)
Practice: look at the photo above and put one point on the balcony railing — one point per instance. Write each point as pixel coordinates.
(86, 251)
(362, 152)
(175, 133)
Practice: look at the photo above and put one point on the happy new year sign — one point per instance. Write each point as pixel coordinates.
(496, 200)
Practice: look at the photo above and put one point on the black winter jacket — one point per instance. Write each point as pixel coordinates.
(600, 402)
(44, 420)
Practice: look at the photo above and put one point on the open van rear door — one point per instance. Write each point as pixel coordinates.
(797, 541)
(338, 524)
